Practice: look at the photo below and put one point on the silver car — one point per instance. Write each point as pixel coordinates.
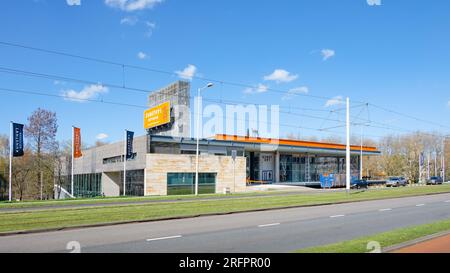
(396, 181)
(434, 180)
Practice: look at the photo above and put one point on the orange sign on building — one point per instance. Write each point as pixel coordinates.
(157, 116)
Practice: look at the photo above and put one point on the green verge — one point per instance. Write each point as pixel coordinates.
(385, 239)
(73, 217)
(120, 199)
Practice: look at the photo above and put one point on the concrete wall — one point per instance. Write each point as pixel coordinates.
(92, 159)
(111, 183)
(158, 165)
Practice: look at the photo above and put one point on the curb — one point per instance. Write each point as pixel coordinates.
(22, 232)
(415, 241)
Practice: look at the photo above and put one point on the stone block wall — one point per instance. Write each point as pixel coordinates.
(230, 174)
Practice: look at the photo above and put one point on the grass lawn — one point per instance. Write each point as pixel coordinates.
(70, 217)
(117, 200)
(385, 239)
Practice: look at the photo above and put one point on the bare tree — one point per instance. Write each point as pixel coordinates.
(4, 150)
(62, 160)
(23, 168)
(41, 132)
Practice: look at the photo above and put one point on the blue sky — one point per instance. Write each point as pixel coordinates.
(394, 54)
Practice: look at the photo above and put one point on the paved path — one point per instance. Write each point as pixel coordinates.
(281, 230)
(436, 245)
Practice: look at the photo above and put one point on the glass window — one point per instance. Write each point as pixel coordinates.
(183, 183)
(87, 185)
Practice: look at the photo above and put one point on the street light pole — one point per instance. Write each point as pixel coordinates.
(198, 134)
(361, 156)
(443, 157)
(347, 150)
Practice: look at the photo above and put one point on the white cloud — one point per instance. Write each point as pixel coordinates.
(294, 92)
(132, 5)
(101, 136)
(129, 20)
(88, 92)
(150, 27)
(59, 82)
(260, 88)
(141, 55)
(374, 2)
(334, 101)
(280, 75)
(449, 103)
(327, 53)
(73, 2)
(188, 73)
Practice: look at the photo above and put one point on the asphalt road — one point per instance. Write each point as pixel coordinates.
(267, 231)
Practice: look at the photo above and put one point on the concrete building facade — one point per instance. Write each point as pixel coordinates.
(163, 160)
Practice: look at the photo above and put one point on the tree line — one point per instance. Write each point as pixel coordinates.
(400, 154)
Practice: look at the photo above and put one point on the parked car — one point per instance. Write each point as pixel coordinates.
(396, 181)
(435, 180)
(359, 184)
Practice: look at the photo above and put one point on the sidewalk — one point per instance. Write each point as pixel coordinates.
(437, 245)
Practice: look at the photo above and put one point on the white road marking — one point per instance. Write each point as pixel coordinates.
(448, 201)
(385, 209)
(420, 205)
(164, 238)
(269, 225)
(336, 216)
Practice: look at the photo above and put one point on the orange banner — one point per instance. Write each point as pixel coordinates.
(157, 116)
(77, 143)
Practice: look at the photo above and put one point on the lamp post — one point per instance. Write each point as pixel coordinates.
(198, 134)
(444, 139)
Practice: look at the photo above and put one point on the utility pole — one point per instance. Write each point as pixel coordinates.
(199, 113)
(125, 164)
(10, 160)
(361, 156)
(435, 163)
(420, 166)
(347, 150)
(443, 158)
(73, 157)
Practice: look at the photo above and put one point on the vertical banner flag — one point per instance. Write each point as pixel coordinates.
(130, 136)
(17, 140)
(76, 143)
(421, 159)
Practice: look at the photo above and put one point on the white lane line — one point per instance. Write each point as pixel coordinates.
(336, 216)
(269, 225)
(420, 205)
(385, 209)
(448, 201)
(164, 238)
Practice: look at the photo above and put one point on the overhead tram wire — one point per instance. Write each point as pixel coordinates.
(195, 77)
(83, 81)
(409, 116)
(54, 77)
(67, 79)
(69, 98)
(110, 85)
(140, 106)
(120, 65)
